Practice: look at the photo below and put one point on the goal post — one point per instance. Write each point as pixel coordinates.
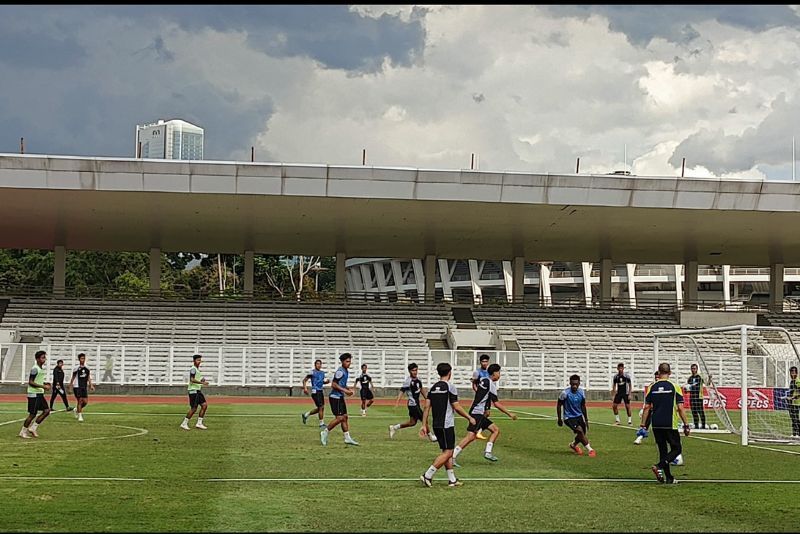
(745, 369)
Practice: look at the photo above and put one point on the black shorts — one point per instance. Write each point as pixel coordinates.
(366, 394)
(81, 393)
(37, 404)
(196, 398)
(481, 423)
(446, 437)
(575, 422)
(319, 399)
(622, 397)
(415, 412)
(338, 406)
(696, 402)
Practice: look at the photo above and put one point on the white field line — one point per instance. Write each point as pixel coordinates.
(505, 479)
(690, 435)
(311, 418)
(78, 479)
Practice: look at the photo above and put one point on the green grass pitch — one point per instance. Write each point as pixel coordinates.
(382, 491)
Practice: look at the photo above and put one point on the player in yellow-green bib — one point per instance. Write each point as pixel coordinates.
(36, 400)
(196, 397)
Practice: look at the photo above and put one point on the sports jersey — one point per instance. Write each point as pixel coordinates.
(195, 373)
(664, 396)
(82, 377)
(58, 377)
(340, 377)
(573, 400)
(794, 392)
(317, 379)
(485, 395)
(37, 377)
(412, 388)
(365, 380)
(695, 385)
(441, 396)
(479, 373)
(622, 381)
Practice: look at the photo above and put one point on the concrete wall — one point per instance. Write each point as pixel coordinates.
(711, 319)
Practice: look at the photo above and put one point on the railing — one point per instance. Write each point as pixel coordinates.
(168, 365)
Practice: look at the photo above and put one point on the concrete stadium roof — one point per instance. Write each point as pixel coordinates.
(129, 204)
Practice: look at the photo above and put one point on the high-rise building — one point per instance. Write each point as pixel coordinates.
(172, 139)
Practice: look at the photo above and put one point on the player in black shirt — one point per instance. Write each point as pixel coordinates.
(58, 386)
(81, 383)
(413, 389)
(366, 390)
(621, 389)
(695, 387)
(443, 402)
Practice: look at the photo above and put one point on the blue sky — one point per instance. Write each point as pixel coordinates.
(526, 88)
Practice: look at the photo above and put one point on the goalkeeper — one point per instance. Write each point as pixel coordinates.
(642, 432)
(793, 400)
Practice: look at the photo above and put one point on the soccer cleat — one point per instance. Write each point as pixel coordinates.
(33, 433)
(185, 426)
(638, 440)
(455, 484)
(80, 418)
(350, 441)
(491, 457)
(24, 433)
(456, 464)
(425, 480)
(592, 453)
(70, 408)
(617, 423)
(480, 435)
(658, 472)
(576, 448)
(304, 417)
(391, 431)
(363, 413)
(630, 422)
(77, 414)
(201, 426)
(432, 437)
(672, 481)
(322, 424)
(323, 436)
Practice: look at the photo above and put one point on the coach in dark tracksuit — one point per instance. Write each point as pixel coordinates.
(58, 386)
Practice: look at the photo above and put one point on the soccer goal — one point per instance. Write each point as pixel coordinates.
(735, 363)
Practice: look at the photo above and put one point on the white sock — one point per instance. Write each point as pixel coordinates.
(25, 428)
(588, 447)
(457, 451)
(451, 475)
(396, 427)
(629, 419)
(489, 446)
(185, 421)
(616, 417)
(33, 426)
(430, 472)
(199, 420)
(347, 435)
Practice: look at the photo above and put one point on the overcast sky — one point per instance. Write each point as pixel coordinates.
(526, 88)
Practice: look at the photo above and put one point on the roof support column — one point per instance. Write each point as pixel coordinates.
(726, 284)
(631, 268)
(776, 287)
(678, 284)
(430, 278)
(690, 284)
(398, 278)
(444, 274)
(419, 277)
(518, 279)
(249, 268)
(474, 277)
(586, 270)
(155, 272)
(544, 284)
(605, 282)
(60, 271)
(340, 273)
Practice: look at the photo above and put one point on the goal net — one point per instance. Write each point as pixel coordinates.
(735, 363)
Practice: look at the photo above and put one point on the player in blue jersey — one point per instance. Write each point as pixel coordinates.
(338, 390)
(573, 401)
(318, 380)
(477, 375)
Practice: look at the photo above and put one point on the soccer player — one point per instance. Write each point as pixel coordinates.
(485, 396)
(480, 372)
(621, 389)
(442, 402)
(695, 387)
(642, 432)
(338, 390)
(58, 386)
(36, 402)
(664, 399)
(793, 400)
(366, 390)
(196, 397)
(413, 389)
(318, 381)
(81, 383)
(573, 401)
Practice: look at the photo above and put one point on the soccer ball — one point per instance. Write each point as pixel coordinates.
(713, 426)
(678, 460)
